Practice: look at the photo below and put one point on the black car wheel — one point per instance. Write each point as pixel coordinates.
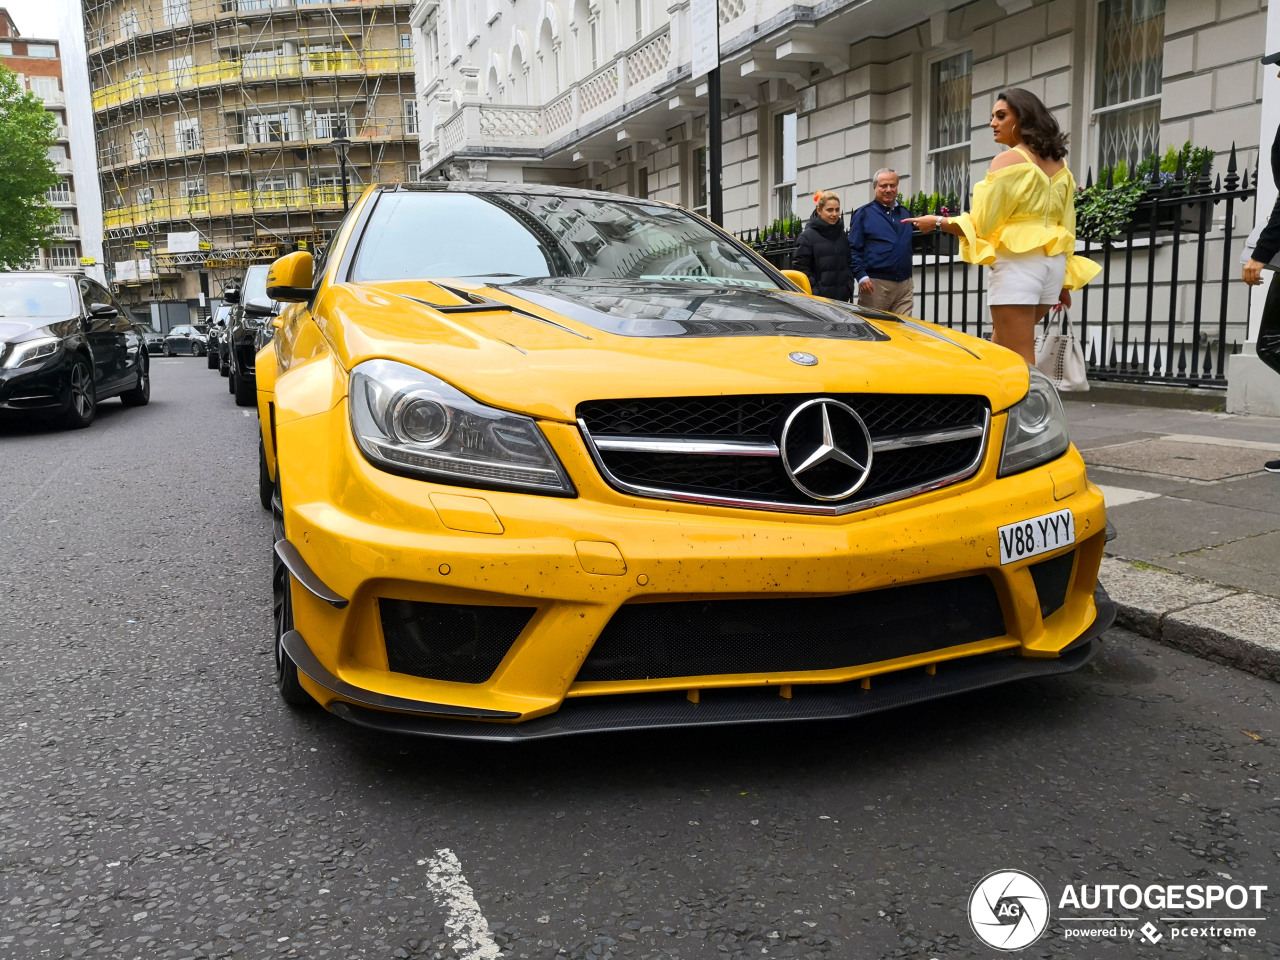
(82, 402)
(212, 359)
(231, 381)
(224, 367)
(291, 690)
(168, 349)
(266, 486)
(246, 391)
(140, 395)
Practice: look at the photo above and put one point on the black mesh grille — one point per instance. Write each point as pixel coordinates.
(704, 638)
(446, 641)
(1052, 578)
(762, 418)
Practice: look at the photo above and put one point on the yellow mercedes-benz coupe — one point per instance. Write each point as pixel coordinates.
(544, 461)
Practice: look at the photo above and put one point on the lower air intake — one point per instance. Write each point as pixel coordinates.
(449, 641)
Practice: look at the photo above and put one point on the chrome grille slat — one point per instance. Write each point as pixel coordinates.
(724, 450)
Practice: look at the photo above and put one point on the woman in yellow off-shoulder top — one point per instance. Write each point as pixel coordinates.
(1022, 223)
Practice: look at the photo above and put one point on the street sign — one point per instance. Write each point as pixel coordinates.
(704, 24)
(142, 244)
(87, 261)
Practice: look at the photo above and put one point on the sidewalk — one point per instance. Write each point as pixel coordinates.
(1196, 558)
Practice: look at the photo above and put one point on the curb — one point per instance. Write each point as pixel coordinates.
(1223, 624)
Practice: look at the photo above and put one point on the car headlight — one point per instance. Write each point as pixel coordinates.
(30, 351)
(1037, 428)
(407, 421)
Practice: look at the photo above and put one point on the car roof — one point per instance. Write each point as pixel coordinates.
(520, 189)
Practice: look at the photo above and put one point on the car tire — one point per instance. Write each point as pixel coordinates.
(224, 367)
(168, 350)
(291, 691)
(82, 399)
(266, 486)
(246, 391)
(211, 359)
(195, 348)
(231, 381)
(140, 394)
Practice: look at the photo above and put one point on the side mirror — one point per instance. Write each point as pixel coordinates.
(231, 295)
(258, 307)
(289, 279)
(103, 311)
(799, 279)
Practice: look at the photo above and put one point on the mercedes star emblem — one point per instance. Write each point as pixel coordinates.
(826, 443)
(804, 359)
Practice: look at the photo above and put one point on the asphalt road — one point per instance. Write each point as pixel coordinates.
(157, 799)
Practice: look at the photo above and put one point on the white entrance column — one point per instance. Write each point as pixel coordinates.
(1252, 387)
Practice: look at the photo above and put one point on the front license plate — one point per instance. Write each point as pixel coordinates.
(1037, 535)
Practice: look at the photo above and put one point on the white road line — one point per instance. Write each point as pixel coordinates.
(466, 924)
(1119, 496)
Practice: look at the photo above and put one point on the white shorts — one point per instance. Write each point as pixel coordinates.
(1025, 278)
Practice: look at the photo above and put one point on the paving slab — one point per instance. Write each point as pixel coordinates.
(1178, 458)
(1166, 528)
(1241, 631)
(1252, 563)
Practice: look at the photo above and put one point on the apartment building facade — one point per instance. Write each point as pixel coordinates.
(226, 129)
(38, 64)
(820, 95)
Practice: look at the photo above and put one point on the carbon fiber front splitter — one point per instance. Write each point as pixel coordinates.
(735, 706)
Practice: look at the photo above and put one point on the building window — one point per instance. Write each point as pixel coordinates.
(66, 225)
(186, 134)
(260, 63)
(42, 51)
(6, 49)
(266, 128)
(415, 171)
(57, 153)
(141, 145)
(144, 195)
(784, 165)
(325, 124)
(411, 117)
(406, 41)
(176, 12)
(45, 87)
(952, 94)
(181, 72)
(64, 255)
(1126, 102)
(61, 193)
(700, 176)
(640, 9)
(129, 24)
(193, 188)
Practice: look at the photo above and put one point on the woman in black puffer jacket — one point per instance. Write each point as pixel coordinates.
(822, 252)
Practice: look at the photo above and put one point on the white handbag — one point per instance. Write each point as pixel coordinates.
(1058, 353)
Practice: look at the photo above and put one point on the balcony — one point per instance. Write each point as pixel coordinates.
(61, 198)
(225, 204)
(172, 82)
(633, 75)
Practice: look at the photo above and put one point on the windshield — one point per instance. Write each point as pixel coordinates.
(512, 236)
(36, 297)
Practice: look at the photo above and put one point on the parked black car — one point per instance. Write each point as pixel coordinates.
(251, 309)
(217, 334)
(152, 337)
(66, 344)
(186, 338)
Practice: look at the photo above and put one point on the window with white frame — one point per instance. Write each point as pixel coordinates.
(141, 144)
(949, 120)
(45, 87)
(186, 134)
(1130, 61)
(260, 63)
(323, 57)
(57, 153)
(414, 171)
(432, 38)
(42, 51)
(641, 7)
(194, 188)
(60, 193)
(144, 195)
(411, 117)
(180, 69)
(130, 26)
(698, 193)
(6, 49)
(64, 255)
(784, 165)
(406, 41)
(176, 12)
(325, 124)
(273, 184)
(266, 128)
(66, 225)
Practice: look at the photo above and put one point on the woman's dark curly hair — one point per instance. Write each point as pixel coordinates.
(1036, 125)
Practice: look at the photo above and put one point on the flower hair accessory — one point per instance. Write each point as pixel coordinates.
(816, 195)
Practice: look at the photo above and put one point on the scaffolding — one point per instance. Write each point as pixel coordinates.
(216, 118)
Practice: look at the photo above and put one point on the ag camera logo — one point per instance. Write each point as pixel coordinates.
(1008, 910)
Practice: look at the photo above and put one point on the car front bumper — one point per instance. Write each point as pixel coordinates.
(611, 612)
(41, 389)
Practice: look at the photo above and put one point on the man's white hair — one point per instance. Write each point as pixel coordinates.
(875, 181)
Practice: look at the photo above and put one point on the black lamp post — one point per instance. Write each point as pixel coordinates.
(341, 144)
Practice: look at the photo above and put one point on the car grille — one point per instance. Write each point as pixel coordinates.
(449, 641)
(727, 449)
(714, 637)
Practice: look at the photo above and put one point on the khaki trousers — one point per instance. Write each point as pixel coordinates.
(891, 296)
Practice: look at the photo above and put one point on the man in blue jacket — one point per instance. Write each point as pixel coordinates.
(880, 249)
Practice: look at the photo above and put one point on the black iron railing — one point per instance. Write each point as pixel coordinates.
(1168, 306)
